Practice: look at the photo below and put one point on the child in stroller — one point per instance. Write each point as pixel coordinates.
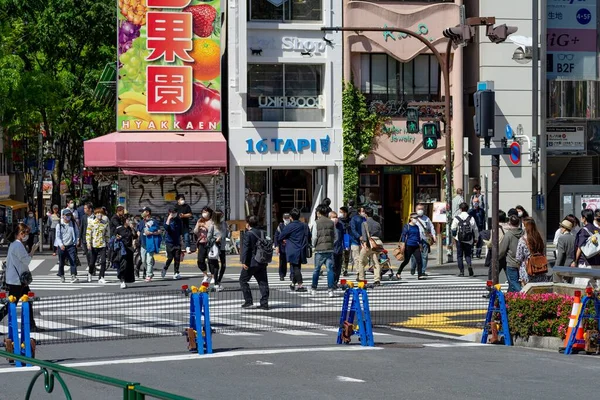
(384, 262)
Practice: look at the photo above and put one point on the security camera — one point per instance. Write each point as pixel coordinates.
(524, 52)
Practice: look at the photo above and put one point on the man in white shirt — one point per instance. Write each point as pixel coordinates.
(427, 230)
(465, 232)
(456, 202)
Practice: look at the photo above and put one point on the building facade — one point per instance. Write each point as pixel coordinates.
(285, 119)
(394, 72)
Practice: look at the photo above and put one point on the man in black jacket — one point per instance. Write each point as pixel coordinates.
(88, 208)
(251, 267)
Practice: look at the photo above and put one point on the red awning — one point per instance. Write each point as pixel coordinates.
(157, 150)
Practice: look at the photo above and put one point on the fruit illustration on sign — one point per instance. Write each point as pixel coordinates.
(207, 59)
(205, 19)
(206, 110)
(134, 11)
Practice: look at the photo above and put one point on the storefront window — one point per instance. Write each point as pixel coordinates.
(285, 10)
(385, 78)
(285, 92)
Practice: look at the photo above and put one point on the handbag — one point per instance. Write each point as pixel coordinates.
(591, 247)
(375, 243)
(213, 253)
(25, 278)
(537, 264)
(428, 236)
(398, 252)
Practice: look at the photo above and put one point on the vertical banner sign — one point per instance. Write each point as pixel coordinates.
(169, 65)
(571, 39)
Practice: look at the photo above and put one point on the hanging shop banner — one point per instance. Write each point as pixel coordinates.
(169, 65)
(571, 39)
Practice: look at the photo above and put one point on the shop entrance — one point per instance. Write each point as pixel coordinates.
(272, 192)
(398, 201)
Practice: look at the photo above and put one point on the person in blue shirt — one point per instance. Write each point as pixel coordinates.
(411, 236)
(174, 230)
(148, 230)
(355, 234)
(32, 223)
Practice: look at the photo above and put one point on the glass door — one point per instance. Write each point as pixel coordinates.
(258, 196)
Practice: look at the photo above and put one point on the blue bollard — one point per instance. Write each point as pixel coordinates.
(199, 330)
(496, 294)
(355, 306)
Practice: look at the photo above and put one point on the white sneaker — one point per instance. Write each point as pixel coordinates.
(219, 288)
(102, 281)
(176, 276)
(123, 285)
(89, 278)
(205, 279)
(330, 293)
(74, 279)
(313, 292)
(212, 281)
(188, 250)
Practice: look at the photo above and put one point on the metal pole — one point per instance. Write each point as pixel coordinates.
(535, 173)
(543, 227)
(40, 191)
(445, 67)
(495, 222)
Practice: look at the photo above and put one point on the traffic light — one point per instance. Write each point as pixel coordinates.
(485, 110)
(430, 135)
(460, 34)
(412, 120)
(499, 33)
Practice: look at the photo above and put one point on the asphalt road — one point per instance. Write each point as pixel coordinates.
(398, 367)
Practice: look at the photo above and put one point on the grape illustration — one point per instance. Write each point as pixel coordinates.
(132, 67)
(127, 33)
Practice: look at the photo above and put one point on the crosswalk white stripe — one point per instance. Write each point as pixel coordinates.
(33, 264)
(301, 333)
(127, 326)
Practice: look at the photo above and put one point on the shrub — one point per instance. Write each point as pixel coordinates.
(544, 314)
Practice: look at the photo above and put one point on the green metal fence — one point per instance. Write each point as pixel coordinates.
(52, 372)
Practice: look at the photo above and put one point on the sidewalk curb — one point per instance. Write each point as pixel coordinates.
(533, 342)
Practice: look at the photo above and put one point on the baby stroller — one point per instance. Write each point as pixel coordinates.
(384, 262)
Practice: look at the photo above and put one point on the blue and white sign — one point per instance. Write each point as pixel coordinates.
(278, 145)
(509, 132)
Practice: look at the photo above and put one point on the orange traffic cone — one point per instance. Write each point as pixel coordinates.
(573, 320)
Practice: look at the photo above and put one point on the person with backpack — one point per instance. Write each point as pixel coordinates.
(465, 232)
(280, 248)
(411, 237)
(478, 215)
(295, 238)
(67, 239)
(255, 253)
(531, 246)
(201, 231)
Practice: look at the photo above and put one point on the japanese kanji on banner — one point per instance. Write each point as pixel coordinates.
(169, 65)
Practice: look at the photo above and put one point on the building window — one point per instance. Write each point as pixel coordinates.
(285, 10)
(285, 92)
(385, 78)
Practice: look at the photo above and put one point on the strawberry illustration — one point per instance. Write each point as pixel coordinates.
(205, 19)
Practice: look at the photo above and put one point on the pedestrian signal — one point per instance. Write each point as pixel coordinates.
(430, 136)
(412, 120)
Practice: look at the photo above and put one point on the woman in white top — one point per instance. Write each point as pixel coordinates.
(17, 262)
(218, 233)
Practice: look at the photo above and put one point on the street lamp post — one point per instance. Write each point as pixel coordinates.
(445, 67)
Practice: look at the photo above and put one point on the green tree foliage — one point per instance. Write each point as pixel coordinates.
(52, 53)
(361, 128)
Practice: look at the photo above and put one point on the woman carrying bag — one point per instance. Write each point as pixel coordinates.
(411, 237)
(530, 253)
(18, 276)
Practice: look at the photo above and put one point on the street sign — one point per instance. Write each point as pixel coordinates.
(515, 153)
(509, 132)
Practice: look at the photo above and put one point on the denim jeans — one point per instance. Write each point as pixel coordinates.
(69, 253)
(424, 258)
(148, 261)
(186, 237)
(513, 279)
(320, 259)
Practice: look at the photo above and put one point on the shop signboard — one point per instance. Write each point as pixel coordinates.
(169, 65)
(590, 202)
(439, 213)
(565, 139)
(571, 39)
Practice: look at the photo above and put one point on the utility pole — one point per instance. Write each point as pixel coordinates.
(40, 191)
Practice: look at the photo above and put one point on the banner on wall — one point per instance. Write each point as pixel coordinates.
(169, 75)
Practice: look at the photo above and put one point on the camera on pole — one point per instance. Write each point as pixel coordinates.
(485, 110)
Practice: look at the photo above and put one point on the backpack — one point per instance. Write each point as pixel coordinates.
(264, 248)
(465, 231)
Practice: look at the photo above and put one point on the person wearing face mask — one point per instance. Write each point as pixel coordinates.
(32, 223)
(17, 264)
(427, 237)
(478, 216)
(71, 207)
(465, 232)
(280, 247)
(344, 218)
(54, 220)
(565, 244)
(174, 228)
(295, 236)
(522, 213)
(201, 230)
(185, 213)
(97, 238)
(580, 260)
(411, 236)
(67, 239)
(355, 234)
(477, 195)
(86, 217)
(149, 235)
(338, 247)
